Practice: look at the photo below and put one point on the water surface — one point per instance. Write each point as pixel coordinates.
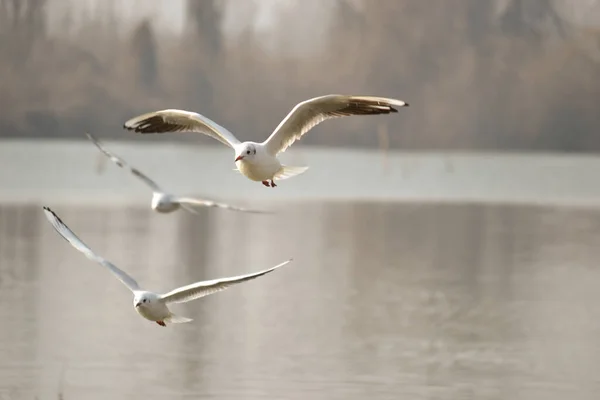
(383, 301)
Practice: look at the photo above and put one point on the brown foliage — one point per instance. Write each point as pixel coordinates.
(476, 79)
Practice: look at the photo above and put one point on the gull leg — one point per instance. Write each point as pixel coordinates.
(273, 183)
(161, 323)
(266, 183)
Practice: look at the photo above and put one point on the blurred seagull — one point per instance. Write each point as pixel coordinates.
(164, 202)
(258, 161)
(150, 305)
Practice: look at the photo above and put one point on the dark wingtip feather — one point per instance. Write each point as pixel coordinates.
(151, 125)
(47, 209)
(395, 110)
(51, 212)
(58, 223)
(134, 128)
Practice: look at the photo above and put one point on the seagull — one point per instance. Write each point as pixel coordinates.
(150, 305)
(258, 161)
(163, 202)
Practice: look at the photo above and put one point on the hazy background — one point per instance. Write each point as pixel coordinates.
(458, 264)
(494, 74)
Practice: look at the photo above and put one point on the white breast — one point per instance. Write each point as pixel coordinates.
(259, 171)
(155, 312)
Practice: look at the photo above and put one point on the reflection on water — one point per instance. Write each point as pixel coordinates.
(382, 302)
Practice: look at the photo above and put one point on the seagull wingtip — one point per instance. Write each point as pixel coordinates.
(48, 211)
(286, 262)
(397, 103)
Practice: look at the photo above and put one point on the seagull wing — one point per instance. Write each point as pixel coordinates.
(121, 163)
(201, 289)
(189, 203)
(310, 113)
(68, 234)
(180, 121)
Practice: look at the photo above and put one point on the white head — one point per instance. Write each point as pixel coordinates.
(143, 299)
(246, 152)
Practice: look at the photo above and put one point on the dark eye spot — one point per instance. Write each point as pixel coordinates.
(143, 301)
(248, 152)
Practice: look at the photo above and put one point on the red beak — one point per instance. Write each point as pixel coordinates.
(239, 158)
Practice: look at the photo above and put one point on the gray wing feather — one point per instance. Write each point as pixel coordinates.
(123, 164)
(308, 114)
(172, 120)
(204, 288)
(70, 237)
(189, 203)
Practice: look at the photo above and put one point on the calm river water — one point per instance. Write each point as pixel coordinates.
(382, 301)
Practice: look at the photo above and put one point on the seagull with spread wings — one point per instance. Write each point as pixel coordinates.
(150, 305)
(258, 161)
(165, 202)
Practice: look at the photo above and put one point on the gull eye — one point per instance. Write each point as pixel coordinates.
(248, 152)
(143, 301)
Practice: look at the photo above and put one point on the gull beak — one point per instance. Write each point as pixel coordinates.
(238, 158)
(137, 305)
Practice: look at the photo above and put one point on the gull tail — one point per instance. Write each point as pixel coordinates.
(287, 172)
(176, 319)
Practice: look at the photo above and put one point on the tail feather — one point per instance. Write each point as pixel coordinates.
(287, 172)
(176, 319)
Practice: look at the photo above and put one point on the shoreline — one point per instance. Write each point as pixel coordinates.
(66, 171)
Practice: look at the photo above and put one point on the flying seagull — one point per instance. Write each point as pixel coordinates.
(150, 305)
(165, 202)
(258, 161)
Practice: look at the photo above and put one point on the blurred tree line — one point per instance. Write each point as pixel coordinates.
(497, 74)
